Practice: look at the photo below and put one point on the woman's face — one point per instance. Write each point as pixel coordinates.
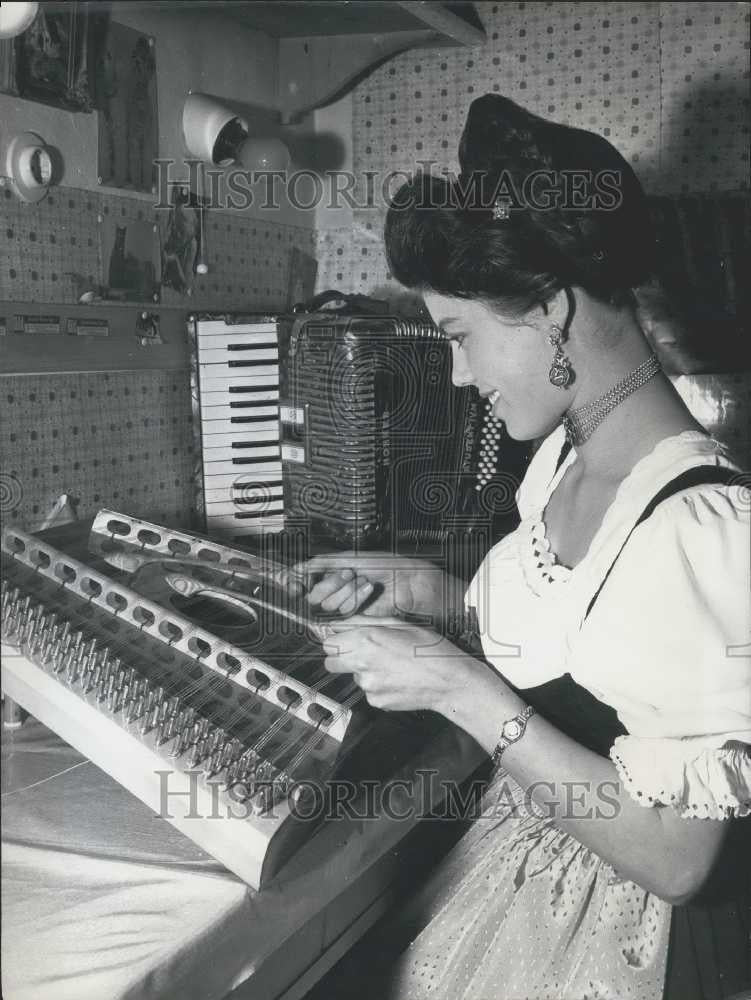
(506, 360)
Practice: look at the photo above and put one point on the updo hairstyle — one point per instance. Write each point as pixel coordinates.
(442, 234)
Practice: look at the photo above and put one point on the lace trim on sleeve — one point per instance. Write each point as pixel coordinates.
(696, 780)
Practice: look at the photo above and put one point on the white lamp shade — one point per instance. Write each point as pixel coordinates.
(29, 166)
(206, 123)
(264, 154)
(15, 18)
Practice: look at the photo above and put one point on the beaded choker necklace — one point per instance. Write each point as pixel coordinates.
(580, 423)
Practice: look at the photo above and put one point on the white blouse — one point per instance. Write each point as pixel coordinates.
(668, 641)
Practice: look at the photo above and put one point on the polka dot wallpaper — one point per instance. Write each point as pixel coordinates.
(53, 250)
(667, 83)
(120, 440)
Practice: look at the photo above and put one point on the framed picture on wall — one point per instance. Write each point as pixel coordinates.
(53, 60)
(126, 101)
(129, 251)
(181, 232)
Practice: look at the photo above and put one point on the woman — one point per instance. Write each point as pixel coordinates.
(615, 696)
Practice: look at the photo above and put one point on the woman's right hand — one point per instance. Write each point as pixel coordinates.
(379, 584)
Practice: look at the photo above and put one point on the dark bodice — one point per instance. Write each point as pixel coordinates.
(576, 712)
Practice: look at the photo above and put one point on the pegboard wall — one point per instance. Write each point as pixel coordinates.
(667, 83)
(107, 439)
(120, 439)
(53, 251)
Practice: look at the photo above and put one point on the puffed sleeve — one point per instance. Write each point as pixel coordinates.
(668, 645)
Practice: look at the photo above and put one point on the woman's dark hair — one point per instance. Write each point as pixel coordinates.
(569, 211)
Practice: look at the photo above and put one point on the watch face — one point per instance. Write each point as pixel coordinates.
(512, 730)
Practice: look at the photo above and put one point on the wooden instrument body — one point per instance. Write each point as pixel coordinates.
(343, 741)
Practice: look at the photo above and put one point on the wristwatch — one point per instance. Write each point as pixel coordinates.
(511, 732)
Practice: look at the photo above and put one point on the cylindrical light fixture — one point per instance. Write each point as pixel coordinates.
(28, 166)
(211, 131)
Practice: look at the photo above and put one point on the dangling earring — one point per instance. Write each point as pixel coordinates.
(561, 373)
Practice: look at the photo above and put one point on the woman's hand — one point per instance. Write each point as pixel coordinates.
(401, 668)
(378, 584)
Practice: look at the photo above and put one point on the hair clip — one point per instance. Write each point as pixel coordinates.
(501, 209)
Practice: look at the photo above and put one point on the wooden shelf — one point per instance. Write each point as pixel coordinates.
(348, 40)
(326, 46)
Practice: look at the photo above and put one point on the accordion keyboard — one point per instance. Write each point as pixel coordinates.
(237, 383)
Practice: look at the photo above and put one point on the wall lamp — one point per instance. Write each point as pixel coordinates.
(15, 18)
(215, 134)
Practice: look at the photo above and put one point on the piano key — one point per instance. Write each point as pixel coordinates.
(223, 489)
(252, 432)
(219, 327)
(219, 378)
(224, 417)
(244, 359)
(228, 476)
(240, 435)
(256, 340)
(225, 459)
(239, 505)
(222, 378)
(256, 400)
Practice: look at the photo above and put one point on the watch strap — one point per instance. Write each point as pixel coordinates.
(512, 731)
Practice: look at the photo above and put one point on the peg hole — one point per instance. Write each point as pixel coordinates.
(229, 663)
(241, 564)
(91, 587)
(143, 616)
(16, 544)
(178, 547)
(116, 601)
(257, 679)
(147, 537)
(170, 631)
(118, 528)
(199, 647)
(65, 572)
(288, 696)
(319, 715)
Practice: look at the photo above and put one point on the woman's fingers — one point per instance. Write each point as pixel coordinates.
(341, 591)
(351, 603)
(332, 583)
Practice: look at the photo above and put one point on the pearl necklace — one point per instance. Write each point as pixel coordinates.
(579, 424)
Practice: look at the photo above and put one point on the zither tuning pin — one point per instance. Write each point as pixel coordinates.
(93, 678)
(150, 719)
(214, 764)
(135, 709)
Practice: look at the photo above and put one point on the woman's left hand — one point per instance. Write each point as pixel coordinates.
(400, 668)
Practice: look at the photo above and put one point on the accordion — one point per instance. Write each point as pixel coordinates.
(345, 431)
